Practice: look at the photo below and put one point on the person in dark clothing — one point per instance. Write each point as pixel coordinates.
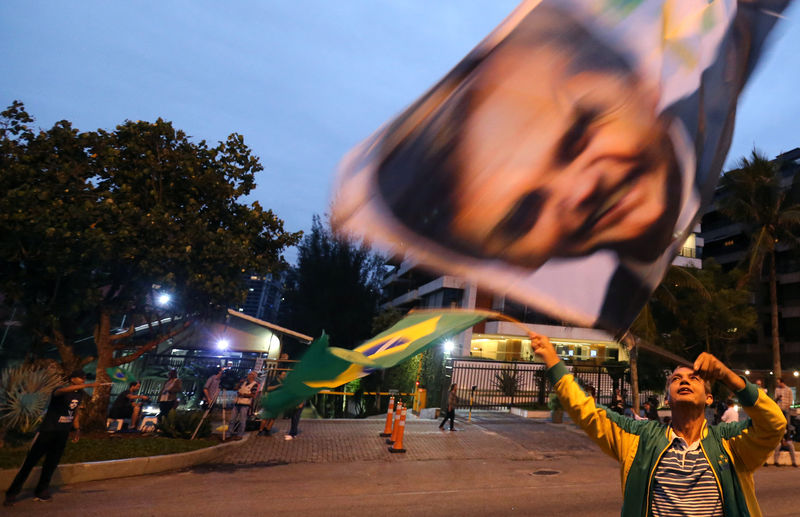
(298, 411)
(128, 404)
(651, 410)
(452, 400)
(168, 399)
(61, 417)
(267, 423)
(617, 402)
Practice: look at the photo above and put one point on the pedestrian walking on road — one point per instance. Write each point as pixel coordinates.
(787, 444)
(687, 466)
(61, 418)
(452, 401)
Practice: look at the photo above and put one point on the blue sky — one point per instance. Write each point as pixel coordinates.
(302, 80)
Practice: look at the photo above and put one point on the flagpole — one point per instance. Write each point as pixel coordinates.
(205, 415)
(223, 417)
(666, 354)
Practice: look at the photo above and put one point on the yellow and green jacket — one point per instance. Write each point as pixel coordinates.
(734, 450)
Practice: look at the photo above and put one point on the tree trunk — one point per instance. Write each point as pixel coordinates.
(634, 377)
(773, 303)
(94, 418)
(69, 361)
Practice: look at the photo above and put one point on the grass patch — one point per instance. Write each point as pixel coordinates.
(105, 448)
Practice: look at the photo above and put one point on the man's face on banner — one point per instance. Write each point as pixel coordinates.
(558, 163)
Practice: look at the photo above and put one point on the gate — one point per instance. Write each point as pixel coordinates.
(503, 385)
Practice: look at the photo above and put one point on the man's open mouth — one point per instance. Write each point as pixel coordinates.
(682, 391)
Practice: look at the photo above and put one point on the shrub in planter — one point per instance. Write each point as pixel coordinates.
(24, 394)
(181, 424)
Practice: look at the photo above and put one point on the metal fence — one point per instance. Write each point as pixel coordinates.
(192, 386)
(500, 385)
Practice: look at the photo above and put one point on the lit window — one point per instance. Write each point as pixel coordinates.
(729, 243)
(593, 353)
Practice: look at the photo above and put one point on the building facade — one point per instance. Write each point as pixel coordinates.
(408, 287)
(728, 243)
(264, 296)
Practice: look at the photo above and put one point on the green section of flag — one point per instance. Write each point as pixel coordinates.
(323, 366)
(119, 375)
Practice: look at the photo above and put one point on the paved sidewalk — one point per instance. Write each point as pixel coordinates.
(489, 436)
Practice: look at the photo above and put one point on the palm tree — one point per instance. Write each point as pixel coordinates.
(756, 197)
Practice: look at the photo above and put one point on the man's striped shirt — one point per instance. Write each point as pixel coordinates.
(683, 484)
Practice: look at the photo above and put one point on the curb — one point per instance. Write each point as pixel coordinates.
(95, 470)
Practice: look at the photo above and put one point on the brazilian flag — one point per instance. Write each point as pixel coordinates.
(324, 366)
(119, 375)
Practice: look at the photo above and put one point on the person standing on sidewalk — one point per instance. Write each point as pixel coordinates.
(61, 417)
(783, 397)
(688, 465)
(452, 400)
(168, 399)
(211, 388)
(266, 423)
(246, 391)
(298, 411)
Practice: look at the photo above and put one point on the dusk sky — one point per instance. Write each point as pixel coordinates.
(302, 80)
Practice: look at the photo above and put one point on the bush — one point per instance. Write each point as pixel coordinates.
(553, 403)
(181, 424)
(24, 393)
(507, 382)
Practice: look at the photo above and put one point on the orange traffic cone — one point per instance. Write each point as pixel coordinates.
(387, 429)
(398, 408)
(398, 443)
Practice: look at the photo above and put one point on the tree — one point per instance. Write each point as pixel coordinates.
(755, 197)
(335, 287)
(95, 223)
(716, 323)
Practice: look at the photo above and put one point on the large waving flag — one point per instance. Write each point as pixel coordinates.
(323, 366)
(567, 158)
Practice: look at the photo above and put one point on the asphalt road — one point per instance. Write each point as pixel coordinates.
(586, 486)
(567, 476)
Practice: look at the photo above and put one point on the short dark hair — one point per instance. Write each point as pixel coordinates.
(706, 382)
(80, 374)
(132, 384)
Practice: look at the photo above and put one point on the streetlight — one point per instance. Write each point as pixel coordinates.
(448, 346)
(163, 299)
(223, 344)
(747, 372)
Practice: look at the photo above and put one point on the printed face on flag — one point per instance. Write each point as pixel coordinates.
(551, 146)
(564, 161)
